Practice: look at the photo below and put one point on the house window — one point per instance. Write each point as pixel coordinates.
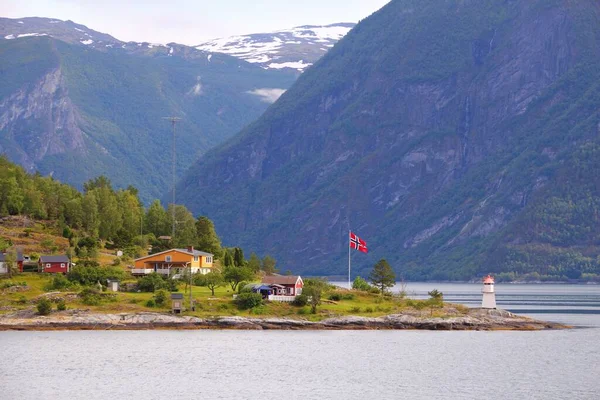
(208, 259)
(62, 265)
(195, 258)
(168, 259)
(48, 265)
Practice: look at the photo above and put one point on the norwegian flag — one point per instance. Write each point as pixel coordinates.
(357, 243)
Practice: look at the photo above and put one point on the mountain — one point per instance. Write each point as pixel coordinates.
(457, 137)
(293, 49)
(76, 103)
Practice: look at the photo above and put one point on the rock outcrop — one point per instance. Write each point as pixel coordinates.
(83, 320)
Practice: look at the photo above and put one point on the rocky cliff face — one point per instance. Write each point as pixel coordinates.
(44, 103)
(428, 130)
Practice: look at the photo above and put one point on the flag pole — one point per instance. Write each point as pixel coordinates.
(349, 284)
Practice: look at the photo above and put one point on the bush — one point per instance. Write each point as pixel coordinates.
(245, 301)
(335, 297)
(369, 310)
(22, 300)
(360, 284)
(116, 262)
(58, 282)
(153, 282)
(90, 297)
(44, 306)
(355, 310)
(150, 303)
(160, 298)
(90, 272)
(300, 300)
(61, 305)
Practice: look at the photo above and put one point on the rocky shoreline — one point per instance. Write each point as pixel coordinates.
(476, 319)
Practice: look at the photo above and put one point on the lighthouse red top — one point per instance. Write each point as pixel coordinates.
(488, 279)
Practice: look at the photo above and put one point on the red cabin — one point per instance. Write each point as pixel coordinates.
(284, 285)
(54, 264)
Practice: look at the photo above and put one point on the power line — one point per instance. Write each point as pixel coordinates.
(174, 121)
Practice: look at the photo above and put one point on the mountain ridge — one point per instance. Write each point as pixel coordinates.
(432, 132)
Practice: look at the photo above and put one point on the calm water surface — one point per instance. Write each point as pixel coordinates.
(323, 365)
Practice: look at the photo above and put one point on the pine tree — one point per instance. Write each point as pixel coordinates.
(208, 240)
(382, 276)
(238, 257)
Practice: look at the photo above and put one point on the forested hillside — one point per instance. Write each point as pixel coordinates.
(457, 137)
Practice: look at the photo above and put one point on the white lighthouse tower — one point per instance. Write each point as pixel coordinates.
(489, 296)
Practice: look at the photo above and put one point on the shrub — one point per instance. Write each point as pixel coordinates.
(44, 306)
(374, 290)
(58, 282)
(61, 305)
(116, 262)
(160, 298)
(22, 300)
(245, 301)
(90, 297)
(90, 272)
(360, 284)
(223, 307)
(369, 310)
(300, 300)
(355, 309)
(335, 297)
(150, 303)
(348, 296)
(153, 282)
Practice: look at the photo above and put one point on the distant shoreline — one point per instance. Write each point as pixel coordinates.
(476, 319)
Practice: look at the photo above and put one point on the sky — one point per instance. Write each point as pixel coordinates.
(191, 22)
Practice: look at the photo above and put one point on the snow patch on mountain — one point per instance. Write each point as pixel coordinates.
(295, 49)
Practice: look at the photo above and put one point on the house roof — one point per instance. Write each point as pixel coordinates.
(281, 279)
(3, 257)
(176, 296)
(194, 253)
(54, 259)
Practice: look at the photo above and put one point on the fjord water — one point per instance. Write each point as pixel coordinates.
(323, 365)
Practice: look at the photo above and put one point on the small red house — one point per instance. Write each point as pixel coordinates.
(54, 264)
(284, 285)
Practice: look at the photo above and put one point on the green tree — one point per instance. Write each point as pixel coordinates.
(185, 226)
(228, 259)
(235, 275)
(213, 280)
(254, 263)
(238, 257)
(382, 276)
(10, 261)
(208, 240)
(314, 289)
(436, 299)
(268, 265)
(156, 220)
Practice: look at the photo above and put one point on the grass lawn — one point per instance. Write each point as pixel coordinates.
(207, 306)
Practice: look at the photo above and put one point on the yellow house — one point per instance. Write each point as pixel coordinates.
(174, 261)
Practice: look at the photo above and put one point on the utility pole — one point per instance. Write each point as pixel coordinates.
(174, 121)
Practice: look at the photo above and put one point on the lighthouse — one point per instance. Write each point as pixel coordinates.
(489, 296)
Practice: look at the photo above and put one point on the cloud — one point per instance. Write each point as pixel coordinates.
(268, 95)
